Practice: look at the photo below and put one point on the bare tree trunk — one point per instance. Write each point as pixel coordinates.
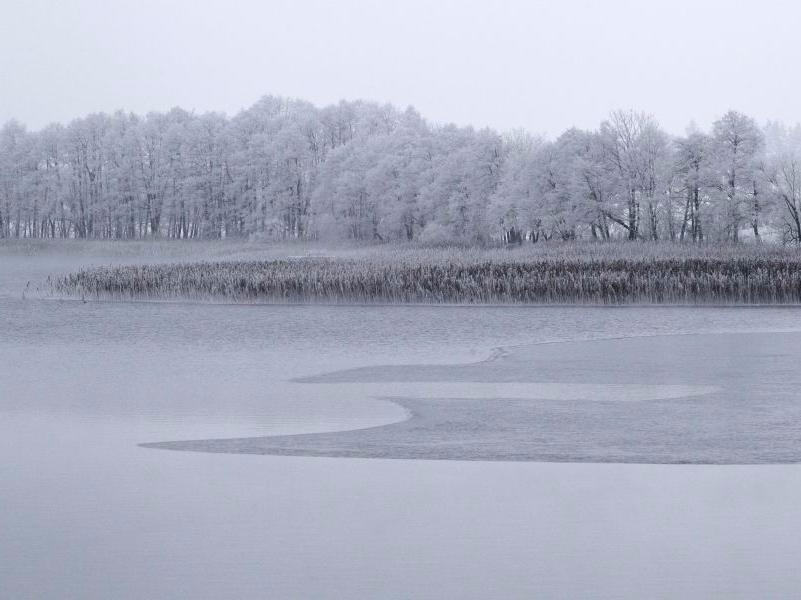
(755, 214)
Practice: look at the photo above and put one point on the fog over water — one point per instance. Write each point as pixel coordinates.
(89, 513)
(200, 450)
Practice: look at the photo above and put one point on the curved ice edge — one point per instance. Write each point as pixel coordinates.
(408, 415)
(501, 352)
(581, 392)
(494, 354)
(565, 459)
(256, 446)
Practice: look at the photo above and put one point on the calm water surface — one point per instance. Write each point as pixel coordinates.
(87, 513)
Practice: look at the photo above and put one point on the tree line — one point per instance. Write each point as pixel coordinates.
(358, 170)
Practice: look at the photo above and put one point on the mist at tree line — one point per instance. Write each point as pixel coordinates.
(285, 169)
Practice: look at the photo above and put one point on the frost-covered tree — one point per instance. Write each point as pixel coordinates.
(16, 197)
(692, 168)
(590, 180)
(636, 148)
(782, 168)
(284, 168)
(737, 146)
(516, 206)
(465, 171)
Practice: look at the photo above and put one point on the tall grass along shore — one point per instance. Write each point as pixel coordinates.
(565, 274)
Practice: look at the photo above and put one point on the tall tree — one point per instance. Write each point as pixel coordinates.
(737, 145)
(693, 163)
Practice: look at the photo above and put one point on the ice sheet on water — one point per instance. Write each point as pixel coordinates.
(723, 398)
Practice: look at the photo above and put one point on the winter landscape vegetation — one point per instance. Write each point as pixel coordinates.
(285, 169)
(319, 348)
(712, 216)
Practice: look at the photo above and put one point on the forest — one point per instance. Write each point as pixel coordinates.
(284, 169)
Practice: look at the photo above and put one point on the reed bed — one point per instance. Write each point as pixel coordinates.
(461, 277)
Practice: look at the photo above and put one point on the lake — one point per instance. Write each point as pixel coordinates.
(88, 512)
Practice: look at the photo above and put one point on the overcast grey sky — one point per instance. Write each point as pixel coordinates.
(540, 65)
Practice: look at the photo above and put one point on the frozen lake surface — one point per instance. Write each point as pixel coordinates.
(705, 398)
(90, 513)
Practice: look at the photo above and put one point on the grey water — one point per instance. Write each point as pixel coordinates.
(88, 512)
